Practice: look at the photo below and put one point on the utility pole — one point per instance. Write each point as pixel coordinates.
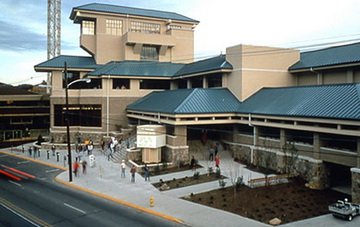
(53, 32)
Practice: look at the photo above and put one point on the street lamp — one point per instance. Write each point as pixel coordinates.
(87, 80)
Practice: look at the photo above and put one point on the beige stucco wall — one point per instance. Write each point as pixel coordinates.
(177, 44)
(256, 67)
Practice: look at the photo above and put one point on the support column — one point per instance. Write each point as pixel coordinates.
(205, 82)
(177, 149)
(358, 152)
(355, 185)
(282, 138)
(316, 145)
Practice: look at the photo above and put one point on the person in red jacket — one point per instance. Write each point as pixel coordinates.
(76, 168)
(217, 161)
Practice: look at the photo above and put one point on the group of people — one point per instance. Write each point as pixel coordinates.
(133, 171)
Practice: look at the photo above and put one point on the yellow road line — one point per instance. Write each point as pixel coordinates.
(24, 213)
(34, 160)
(122, 202)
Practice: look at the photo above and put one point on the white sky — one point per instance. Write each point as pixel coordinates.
(279, 23)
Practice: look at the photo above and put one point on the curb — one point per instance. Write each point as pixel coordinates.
(121, 202)
(34, 160)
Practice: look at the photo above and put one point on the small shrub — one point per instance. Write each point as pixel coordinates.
(222, 183)
(196, 175)
(156, 169)
(210, 170)
(218, 173)
(239, 182)
(164, 165)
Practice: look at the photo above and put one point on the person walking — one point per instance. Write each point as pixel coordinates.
(133, 171)
(84, 164)
(122, 167)
(109, 153)
(147, 173)
(217, 161)
(192, 163)
(76, 168)
(212, 152)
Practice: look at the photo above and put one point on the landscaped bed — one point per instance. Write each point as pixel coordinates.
(188, 181)
(287, 202)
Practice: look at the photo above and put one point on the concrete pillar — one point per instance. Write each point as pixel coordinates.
(256, 136)
(189, 85)
(178, 150)
(173, 85)
(282, 138)
(316, 145)
(235, 133)
(358, 152)
(350, 76)
(355, 185)
(205, 82)
(181, 135)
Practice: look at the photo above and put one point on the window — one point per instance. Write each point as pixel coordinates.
(88, 27)
(145, 27)
(174, 27)
(215, 80)
(149, 53)
(155, 84)
(113, 27)
(121, 84)
(71, 77)
(79, 115)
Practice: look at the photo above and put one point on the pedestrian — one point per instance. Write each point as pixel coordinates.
(133, 171)
(217, 148)
(30, 151)
(76, 168)
(102, 143)
(53, 149)
(80, 155)
(217, 161)
(147, 173)
(212, 152)
(90, 148)
(192, 163)
(84, 163)
(122, 167)
(109, 153)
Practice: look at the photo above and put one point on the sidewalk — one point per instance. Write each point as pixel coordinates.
(104, 180)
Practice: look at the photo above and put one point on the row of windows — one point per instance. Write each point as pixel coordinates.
(197, 82)
(79, 115)
(114, 27)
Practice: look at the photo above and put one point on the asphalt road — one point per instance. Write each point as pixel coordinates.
(37, 199)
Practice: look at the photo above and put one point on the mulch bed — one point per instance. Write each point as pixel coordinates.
(288, 202)
(188, 181)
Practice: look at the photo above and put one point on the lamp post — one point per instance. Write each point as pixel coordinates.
(87, 80)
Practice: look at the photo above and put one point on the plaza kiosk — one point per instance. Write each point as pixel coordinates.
(150, 138)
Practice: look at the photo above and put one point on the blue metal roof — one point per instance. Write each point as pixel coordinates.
(210, 64)
(131, 11)
(345, 54)
(188, 101)
(326, 101)
(161, 69)
(138, 68)
(72, 62)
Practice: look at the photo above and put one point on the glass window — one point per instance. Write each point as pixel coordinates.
(79, 115)
(113, 27)
(149, 53)
(145, 27)
(215, 80)
(121, 84)
(71, 77)
(155, 84)
(88, 27)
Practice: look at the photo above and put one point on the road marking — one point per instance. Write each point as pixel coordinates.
(22, 213)
(52, 170)
(23, 162)
(18, 171)
(13, 182)
(77, 209)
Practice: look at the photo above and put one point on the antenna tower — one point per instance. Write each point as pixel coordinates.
(53, 31)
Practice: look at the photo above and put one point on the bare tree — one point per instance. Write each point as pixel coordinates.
(291, 155)
(236, 176)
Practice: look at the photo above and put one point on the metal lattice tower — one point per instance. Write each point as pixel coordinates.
(54, 28)
(53, 31)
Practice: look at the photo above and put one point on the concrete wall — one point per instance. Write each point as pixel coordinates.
(256, 67)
